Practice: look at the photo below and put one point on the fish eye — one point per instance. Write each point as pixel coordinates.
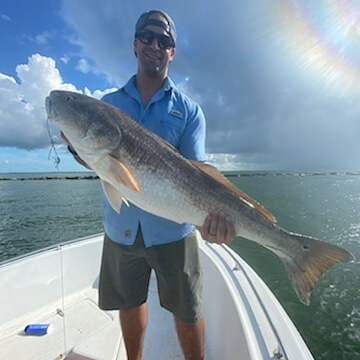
(68, 98)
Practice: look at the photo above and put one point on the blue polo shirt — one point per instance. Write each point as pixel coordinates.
(181, 122)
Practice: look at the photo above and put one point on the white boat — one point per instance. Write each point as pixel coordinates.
(58, 286)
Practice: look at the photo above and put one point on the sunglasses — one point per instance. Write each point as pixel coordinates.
(165, 42)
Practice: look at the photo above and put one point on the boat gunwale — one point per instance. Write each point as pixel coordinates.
(54, 247)
(254, 280)
(280, 352)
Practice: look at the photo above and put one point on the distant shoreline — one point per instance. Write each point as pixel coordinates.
(92, 176)
(59, 177)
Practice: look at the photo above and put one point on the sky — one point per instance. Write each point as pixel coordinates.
(279, 81)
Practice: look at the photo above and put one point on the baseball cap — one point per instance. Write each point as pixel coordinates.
(145, 20)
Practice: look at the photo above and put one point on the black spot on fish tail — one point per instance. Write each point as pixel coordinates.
(306, 267)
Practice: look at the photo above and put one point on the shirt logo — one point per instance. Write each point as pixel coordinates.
(176, 113)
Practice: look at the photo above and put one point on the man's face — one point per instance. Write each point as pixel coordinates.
(152, 58)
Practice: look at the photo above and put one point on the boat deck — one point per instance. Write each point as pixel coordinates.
(91, 333)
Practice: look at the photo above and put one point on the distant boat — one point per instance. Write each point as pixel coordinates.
(58, 286)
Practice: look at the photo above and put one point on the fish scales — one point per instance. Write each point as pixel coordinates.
(159, 162)
(162, 163)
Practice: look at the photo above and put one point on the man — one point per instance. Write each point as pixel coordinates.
(136, 241)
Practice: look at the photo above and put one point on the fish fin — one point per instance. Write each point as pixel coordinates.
(164, 142)
(216, 174)
(122, 174)
(315, 258)
(114, 197)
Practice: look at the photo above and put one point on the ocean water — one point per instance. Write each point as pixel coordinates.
(38, 213)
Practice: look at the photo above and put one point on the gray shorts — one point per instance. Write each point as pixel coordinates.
(125, 274)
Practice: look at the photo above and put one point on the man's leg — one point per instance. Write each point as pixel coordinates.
(191, 338)
(133, 323)
(124, 280)
(179, 276)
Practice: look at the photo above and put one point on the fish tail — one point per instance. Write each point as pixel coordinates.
(315, 258)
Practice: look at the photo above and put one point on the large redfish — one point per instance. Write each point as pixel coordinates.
(139, 167)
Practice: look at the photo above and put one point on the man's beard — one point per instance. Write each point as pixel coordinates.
(153, 66)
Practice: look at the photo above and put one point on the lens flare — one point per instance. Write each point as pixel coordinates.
(322, 39)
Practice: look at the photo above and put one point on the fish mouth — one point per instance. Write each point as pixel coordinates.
(50, 109)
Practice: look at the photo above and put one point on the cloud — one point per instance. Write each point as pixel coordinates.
(278, 83)
(271, 93)
(83, 66)
(5, 17)
(65, 59)
(43, 37)
(98, 94)
(22, 109)
(40, 39)
(233, 162)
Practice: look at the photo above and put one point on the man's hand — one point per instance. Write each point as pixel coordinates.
(73, 152)
(217, 229)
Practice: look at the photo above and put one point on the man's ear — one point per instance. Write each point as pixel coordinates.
(135, 46)
(172, 54)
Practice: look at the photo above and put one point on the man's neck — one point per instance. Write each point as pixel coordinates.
(147, 86)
